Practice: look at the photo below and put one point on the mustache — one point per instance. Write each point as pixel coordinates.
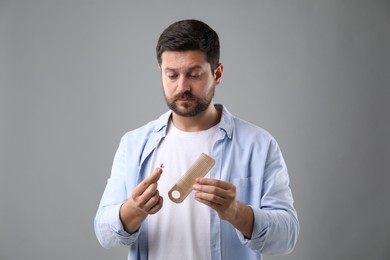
(186, 94)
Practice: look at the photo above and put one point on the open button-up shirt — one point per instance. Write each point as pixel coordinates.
(246, 156)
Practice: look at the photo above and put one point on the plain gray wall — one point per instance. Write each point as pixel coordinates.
(76, 75)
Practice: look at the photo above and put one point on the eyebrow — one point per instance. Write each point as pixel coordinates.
(189, 69)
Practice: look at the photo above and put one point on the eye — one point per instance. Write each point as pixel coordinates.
(171, 76)
(195, 75)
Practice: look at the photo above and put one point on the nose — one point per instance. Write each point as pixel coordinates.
(183, 85)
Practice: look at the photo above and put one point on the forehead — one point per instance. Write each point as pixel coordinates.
(178, 60)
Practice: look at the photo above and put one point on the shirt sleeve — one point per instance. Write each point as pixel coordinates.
(276, 225)
(108, 226)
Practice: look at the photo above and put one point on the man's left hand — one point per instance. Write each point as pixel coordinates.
(221, 196)
(217, 194)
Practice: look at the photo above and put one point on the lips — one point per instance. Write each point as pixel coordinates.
(185, 99)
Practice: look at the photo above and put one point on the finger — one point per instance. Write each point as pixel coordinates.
(157, 207)
(152, 178)
(152, 201)
(216, 191)
(141, 200)
(206, 202)
(214, 182)
(208, 189)
(148, 194)
(211, 204)
(211, 199)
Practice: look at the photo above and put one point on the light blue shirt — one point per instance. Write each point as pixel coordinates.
(246, 156)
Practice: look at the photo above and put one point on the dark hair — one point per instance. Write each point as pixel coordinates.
(188, 35)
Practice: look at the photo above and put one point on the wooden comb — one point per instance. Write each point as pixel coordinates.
(184, 186)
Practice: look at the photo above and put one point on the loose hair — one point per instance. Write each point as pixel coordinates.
(188, 35)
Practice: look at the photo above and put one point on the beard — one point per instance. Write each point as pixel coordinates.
(197, 105)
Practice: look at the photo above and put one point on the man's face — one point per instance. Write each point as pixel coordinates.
(188, 81)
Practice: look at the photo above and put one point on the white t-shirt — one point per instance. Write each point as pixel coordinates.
(180, 231)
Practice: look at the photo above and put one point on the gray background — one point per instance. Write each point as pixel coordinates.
(76, 75)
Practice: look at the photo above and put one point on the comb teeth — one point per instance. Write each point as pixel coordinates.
(184, 186)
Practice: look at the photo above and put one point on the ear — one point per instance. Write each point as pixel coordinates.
(218, 73)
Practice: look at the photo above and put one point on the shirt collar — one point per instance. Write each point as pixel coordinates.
(226, 123)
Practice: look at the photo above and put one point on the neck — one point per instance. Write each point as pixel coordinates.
(205, 120)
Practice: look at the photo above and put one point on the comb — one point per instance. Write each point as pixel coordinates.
(184, 186)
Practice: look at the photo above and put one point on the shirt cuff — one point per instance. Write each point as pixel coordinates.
(260, 229)
(118, 229)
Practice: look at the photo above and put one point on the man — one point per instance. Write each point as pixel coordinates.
(242, 208)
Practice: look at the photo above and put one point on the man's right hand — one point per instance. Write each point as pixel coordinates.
(144, 200)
